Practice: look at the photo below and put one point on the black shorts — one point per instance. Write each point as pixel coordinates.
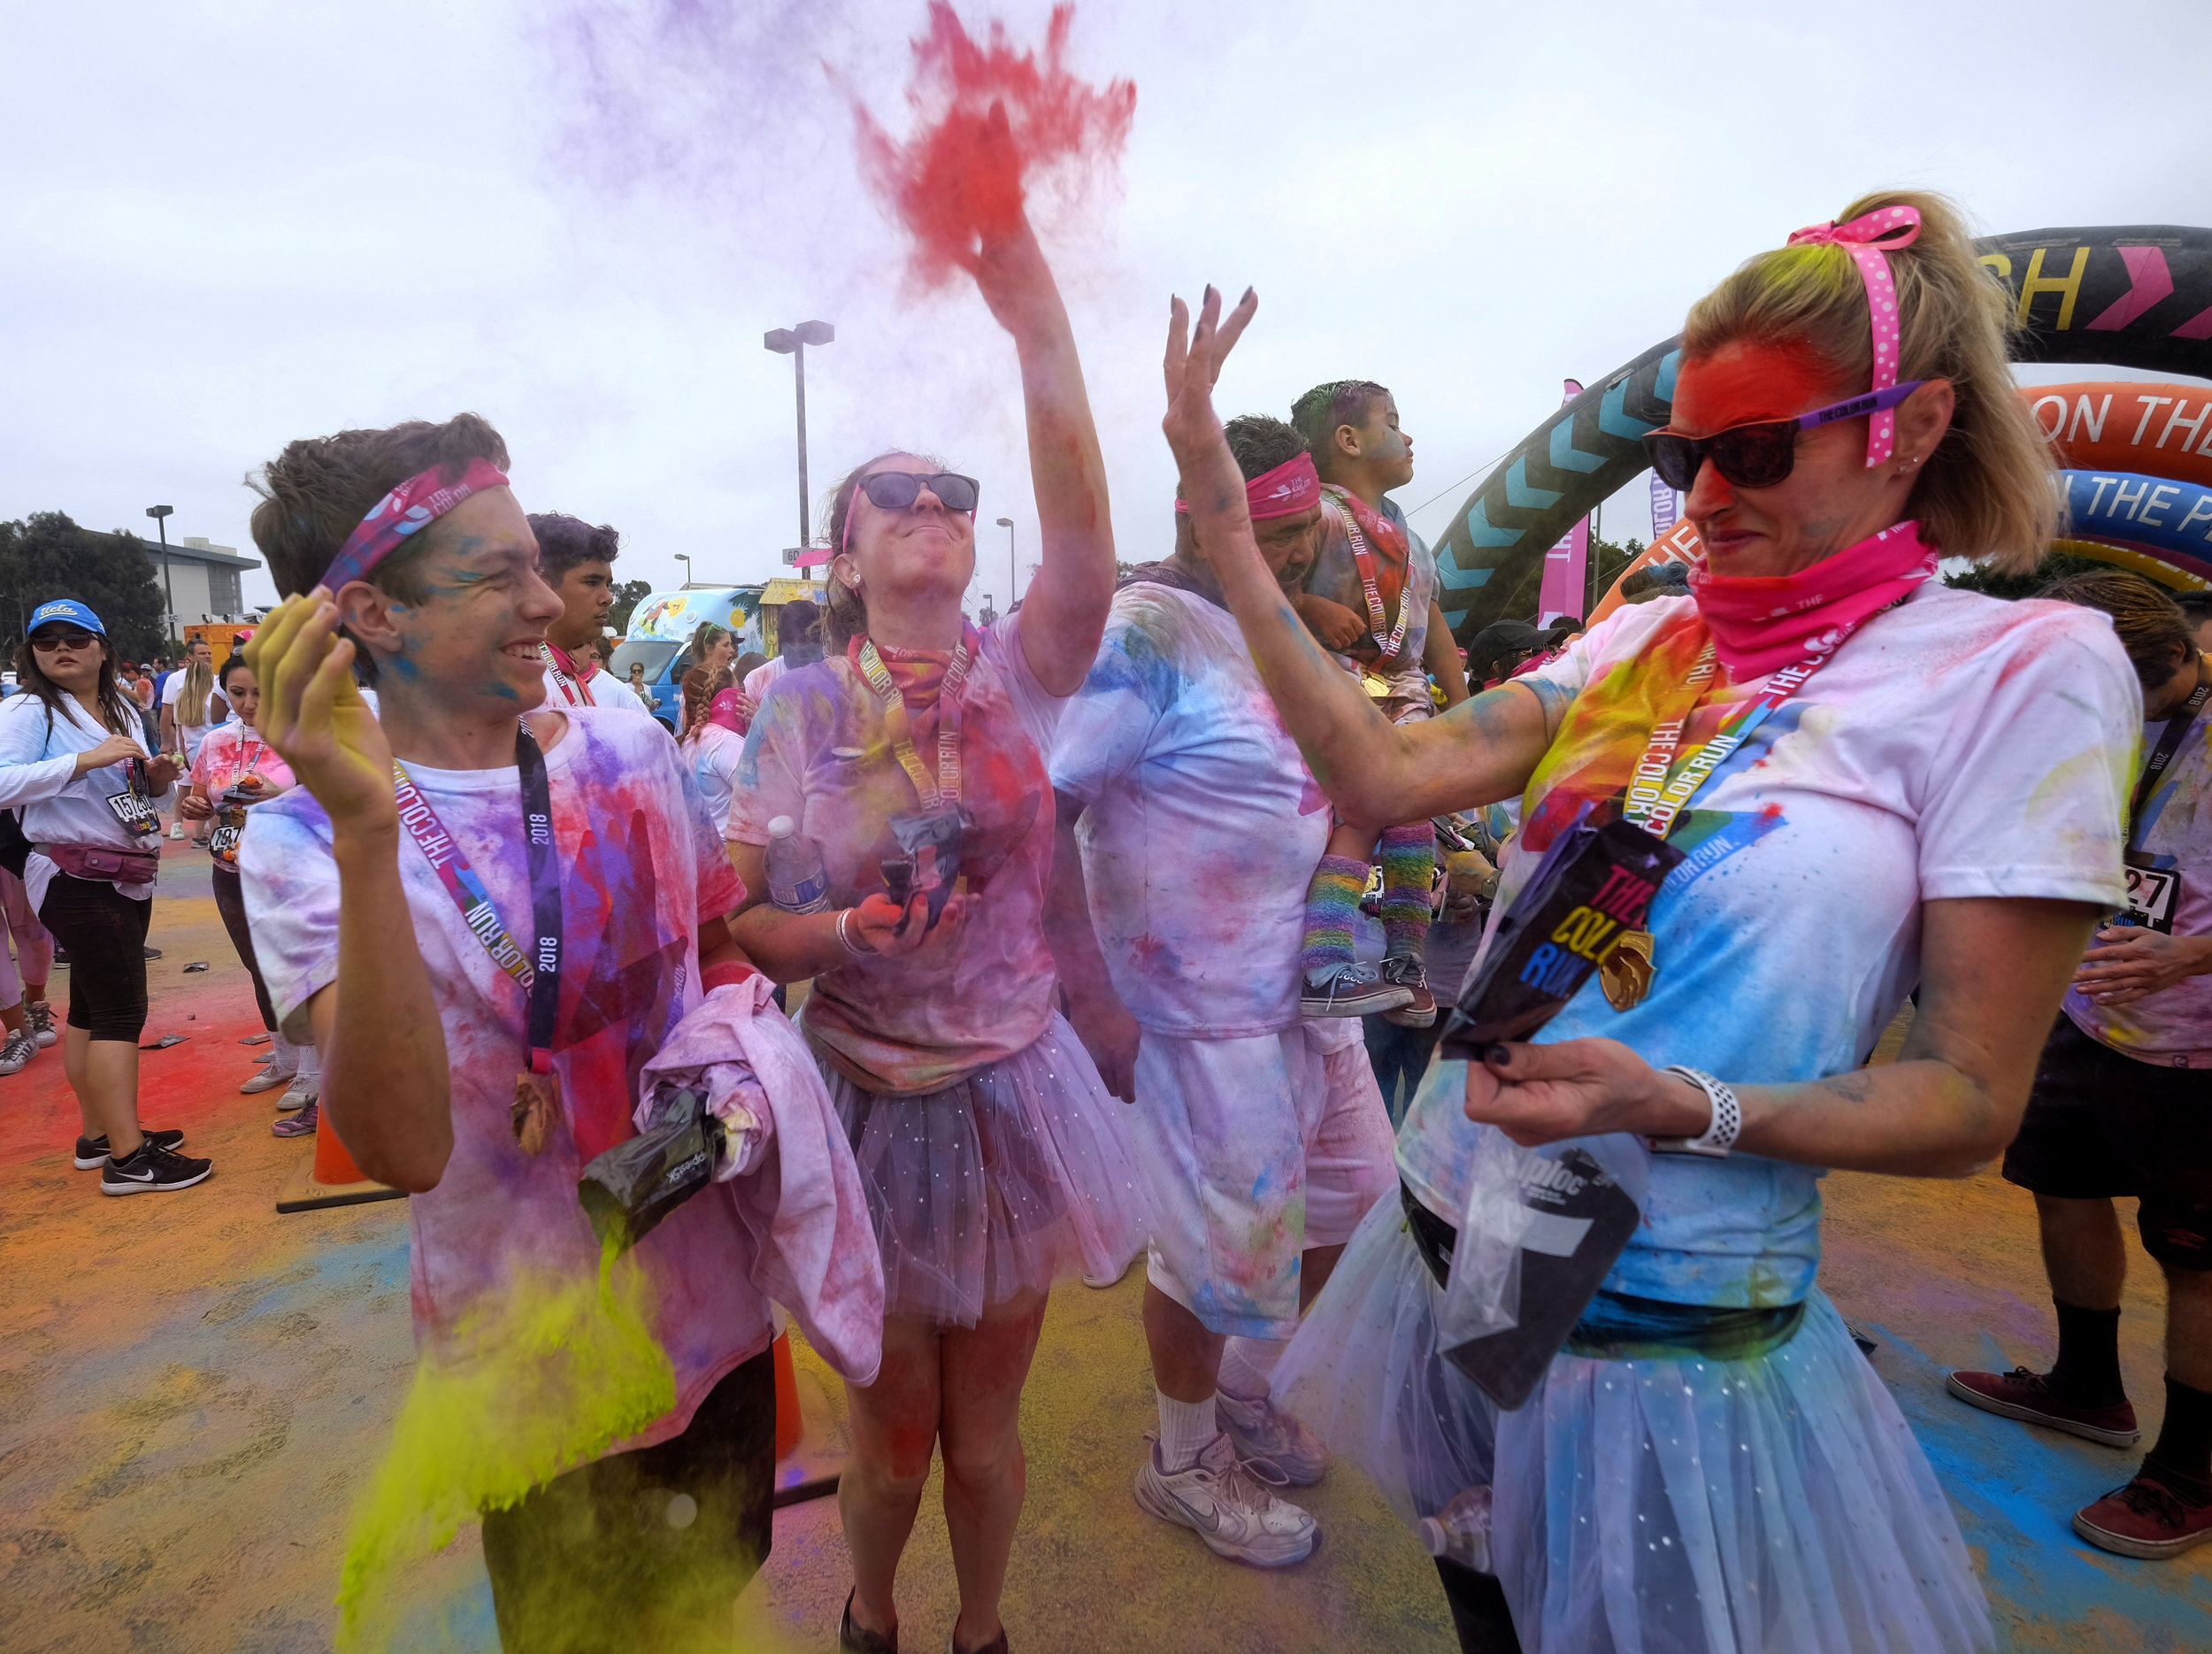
(2100, 1125)
(644, 1549)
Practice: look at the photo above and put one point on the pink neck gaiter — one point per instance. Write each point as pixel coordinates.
(1761, 623)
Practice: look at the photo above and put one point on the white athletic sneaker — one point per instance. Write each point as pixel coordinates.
(1230, 1506)
(39, 1019)
(16, 1052)
(303, 1090)
(267, 1077)
(1260, 1429)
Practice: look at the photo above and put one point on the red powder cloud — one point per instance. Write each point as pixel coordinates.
(988, 121)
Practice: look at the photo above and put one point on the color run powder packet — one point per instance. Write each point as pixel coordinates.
(632, 1186)
(1593, 887)
(1540, 1232)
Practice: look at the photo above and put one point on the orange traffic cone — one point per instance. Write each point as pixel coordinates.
(807, 1466)
(331, 1179)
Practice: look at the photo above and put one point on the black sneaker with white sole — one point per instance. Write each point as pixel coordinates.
(92, 1152)
(152, 1171)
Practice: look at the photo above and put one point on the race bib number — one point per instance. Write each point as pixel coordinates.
(2154, 893)
(222, 844)
(136, 812)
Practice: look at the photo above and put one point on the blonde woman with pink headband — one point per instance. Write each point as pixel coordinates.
(912, 757)
(1869, 782)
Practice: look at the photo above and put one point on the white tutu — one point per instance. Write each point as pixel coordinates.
(1014, 1178)
(1773, 1505)
(1364, 1373)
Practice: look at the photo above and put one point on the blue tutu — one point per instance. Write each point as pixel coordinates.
(1777, 1504)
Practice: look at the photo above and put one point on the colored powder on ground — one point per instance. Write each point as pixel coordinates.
(988, 121)
(559, 1369)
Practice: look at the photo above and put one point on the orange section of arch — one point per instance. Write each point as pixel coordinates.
(2149, 430)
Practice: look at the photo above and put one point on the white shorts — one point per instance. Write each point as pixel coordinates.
(1255, 1149)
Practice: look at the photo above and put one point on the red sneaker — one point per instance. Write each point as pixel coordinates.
(2021, 1394)
(2149, 1517)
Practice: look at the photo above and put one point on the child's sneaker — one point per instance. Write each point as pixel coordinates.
(1352, 991)
(300, 1124)
(1413, 976)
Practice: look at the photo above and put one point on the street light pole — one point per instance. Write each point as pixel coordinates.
(793, 342)
(1013, 574)
(686, 561)
(161, 514)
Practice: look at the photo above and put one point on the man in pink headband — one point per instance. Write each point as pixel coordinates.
(1372, 599)
(1189, 827)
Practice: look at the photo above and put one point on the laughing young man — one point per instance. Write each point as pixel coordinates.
(1188, 827)
(478, 1073)
(577, 560)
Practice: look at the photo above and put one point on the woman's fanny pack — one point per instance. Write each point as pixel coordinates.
(98, 862)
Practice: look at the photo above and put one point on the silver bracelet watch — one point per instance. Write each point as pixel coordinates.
(1727, 1123)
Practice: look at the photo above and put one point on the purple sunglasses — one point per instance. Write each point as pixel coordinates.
(1761, 455)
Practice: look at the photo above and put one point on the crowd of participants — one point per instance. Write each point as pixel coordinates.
(1130, 923)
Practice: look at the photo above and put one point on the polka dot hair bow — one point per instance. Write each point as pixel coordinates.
(1867, 240)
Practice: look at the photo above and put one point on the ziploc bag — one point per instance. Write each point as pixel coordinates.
(632, 1186)
(1593, 888)
(1541, 1229)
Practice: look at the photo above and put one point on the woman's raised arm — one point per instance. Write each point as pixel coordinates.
(1372, 770)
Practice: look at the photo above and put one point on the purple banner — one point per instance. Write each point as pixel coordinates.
(1666, 506)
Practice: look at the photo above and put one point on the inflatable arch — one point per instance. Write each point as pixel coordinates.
(2129, 295)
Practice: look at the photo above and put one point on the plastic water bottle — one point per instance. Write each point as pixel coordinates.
(1461, 1531)
(797, 881)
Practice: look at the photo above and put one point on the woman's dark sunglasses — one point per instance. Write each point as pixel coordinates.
(53, 638)
(1757, 456)
(895, 490)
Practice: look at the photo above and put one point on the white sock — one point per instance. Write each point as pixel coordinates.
(1186, 1430)
(310, 1060)
(284, 1058)
(1247, 1367)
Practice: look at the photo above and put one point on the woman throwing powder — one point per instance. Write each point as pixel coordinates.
(913, 756)
(1878, 783)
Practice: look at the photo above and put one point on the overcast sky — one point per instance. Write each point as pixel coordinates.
(229, 225)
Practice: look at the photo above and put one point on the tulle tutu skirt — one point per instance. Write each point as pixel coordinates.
(1773, 1505)
(1016, 1177)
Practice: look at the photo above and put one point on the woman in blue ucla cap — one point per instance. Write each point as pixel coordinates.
(74, 760)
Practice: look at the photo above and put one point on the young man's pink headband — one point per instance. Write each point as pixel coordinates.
(413, 505)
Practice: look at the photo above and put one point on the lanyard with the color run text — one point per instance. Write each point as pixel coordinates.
(943, 792)
(564, 673)
(538, 971)
(2169, 742)
(1378, 618)
(1655, 802)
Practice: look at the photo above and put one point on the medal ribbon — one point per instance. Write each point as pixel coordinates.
(2169, 739)
(564, 673)
(944, 791)
(1377, 619)
(538, 974)
(1655, 797)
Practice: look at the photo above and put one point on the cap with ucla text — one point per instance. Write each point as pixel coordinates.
(64, 608)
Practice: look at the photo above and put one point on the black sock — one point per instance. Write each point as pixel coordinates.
(2087, 1371)
(2185, 1441)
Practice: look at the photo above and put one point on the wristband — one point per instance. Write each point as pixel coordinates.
(1720, 1135)
(727, 972)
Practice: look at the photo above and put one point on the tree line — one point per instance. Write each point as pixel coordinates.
(46, 555)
